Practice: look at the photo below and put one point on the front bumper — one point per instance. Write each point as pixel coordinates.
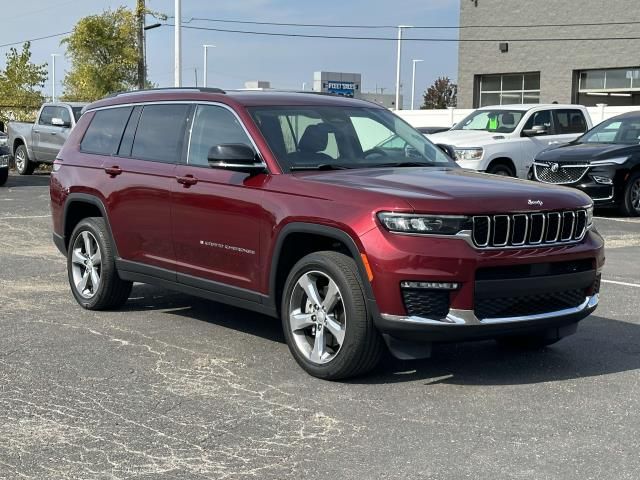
(485, 278)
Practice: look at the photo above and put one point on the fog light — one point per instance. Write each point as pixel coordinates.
(602, 180)
(431, 285)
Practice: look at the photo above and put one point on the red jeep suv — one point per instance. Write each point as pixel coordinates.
(331, 213)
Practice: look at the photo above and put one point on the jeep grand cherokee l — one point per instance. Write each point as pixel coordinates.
(283, 203)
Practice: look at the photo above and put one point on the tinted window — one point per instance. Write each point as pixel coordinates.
(570, 121)
(539, 119)
(77, 112)
(63, 114)
(104, 132)
(160, 133)
(624, 130)
(47, 114)
(213, 126)
(129, 133)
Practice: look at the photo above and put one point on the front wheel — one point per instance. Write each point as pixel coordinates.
(24, 166)
(325, 318)
(631, 201)
(502, 170)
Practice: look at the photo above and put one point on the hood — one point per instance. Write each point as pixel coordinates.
(466, 138)
(454, 190)
(585, 152)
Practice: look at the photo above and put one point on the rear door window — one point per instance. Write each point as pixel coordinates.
(105, 131)
(570, 121)
(160, 133)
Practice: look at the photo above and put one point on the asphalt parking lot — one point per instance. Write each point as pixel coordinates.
(177, 387)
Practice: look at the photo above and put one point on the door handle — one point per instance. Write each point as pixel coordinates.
(53, 133)
(187, 180)
(35, 131)
(113, 171)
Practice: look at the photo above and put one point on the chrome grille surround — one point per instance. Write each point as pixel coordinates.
(541, 229)
(564, 174)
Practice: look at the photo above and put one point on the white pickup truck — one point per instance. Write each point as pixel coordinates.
(505, 139)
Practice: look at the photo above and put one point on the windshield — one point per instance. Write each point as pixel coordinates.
(77, 113)
(615, 130)
(499, 121)
(317, 137)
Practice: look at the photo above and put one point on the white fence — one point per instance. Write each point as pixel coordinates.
(447, 117)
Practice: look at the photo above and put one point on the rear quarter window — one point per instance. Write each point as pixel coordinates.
(105, 131)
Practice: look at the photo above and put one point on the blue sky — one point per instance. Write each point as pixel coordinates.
(286, 62)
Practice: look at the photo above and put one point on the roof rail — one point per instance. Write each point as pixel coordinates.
(168, 89)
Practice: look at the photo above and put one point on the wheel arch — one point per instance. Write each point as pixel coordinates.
(328, 238)
(503, 160)
(83, 205)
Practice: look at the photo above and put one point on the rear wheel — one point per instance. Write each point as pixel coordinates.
(24, 166)
(631, 201)
(4, 175)
(501, 169)
(93, 278)
(325, 319)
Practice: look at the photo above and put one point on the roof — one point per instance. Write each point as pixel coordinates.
(71, 104)
(241, 97)
(528, 106)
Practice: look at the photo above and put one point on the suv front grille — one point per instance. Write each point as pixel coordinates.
(529, 229)
(528, 305)
(433, 304)
(559, 174)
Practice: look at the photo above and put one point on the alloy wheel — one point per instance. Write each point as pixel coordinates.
(317, 317)
(635, 195)
(86, 264)
(21, 160)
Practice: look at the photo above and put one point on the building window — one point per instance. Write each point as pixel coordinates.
(509, 88)
(614, 86)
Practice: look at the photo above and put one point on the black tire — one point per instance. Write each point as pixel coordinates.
(631, 201)
(112, 292)
(27, 166)
(362, 345)
(527, 342)
(4, 175)
(501, 169)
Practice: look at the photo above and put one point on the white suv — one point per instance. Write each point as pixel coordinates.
(505, 139)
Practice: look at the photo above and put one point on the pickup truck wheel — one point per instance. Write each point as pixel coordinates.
(631, 203)
(24, 166)
(4, 175)
(91, 267)
(501, 169)
(325, 318)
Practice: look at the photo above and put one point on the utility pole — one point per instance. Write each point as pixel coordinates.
(142, 68)
(398, 65)
(178, 44)
(413, 83)
(53, 76)
(206, 66)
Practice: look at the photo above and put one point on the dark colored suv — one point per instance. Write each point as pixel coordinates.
(332, 213)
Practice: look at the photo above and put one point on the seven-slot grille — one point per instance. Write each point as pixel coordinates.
(559, 174)
(529, 229)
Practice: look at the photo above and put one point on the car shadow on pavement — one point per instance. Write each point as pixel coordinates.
(151, 298)
(601, 346)
(36, 180)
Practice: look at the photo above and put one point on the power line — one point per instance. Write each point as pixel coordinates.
(424, 27)
(35, 39)
(347, 37)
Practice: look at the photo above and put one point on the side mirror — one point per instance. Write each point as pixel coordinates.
(58, 122)
(535, 131)
(234, 156)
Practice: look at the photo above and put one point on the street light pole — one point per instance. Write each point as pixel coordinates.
(53, 76)
(413, 83)
(178, 45)
(398, 65)
(204, 83)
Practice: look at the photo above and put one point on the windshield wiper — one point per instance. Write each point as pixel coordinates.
(405, 164)
(322, 166)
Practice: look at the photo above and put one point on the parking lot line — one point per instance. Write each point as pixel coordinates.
(626, 284)
(26, 217)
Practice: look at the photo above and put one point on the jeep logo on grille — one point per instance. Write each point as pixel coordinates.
(536, 202)
(554, 167)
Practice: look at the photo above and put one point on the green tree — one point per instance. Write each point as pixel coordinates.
(442, 94)
(20, 85)
(103, 50)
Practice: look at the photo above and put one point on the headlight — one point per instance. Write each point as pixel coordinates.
(610, 161)
(590, 216)
(468, 153)
(3, 141)
(424, 224)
